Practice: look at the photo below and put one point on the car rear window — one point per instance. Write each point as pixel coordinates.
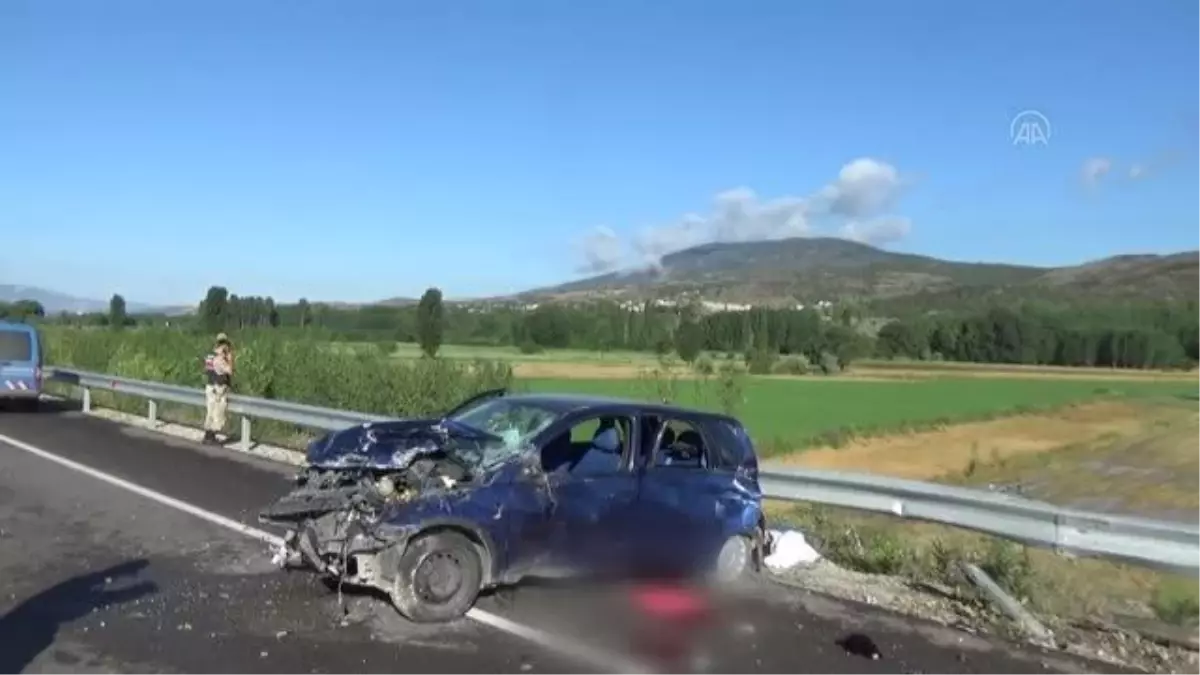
(15, 345)
(732, 447)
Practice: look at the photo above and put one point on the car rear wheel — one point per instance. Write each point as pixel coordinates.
(438, 577)
(734, 561)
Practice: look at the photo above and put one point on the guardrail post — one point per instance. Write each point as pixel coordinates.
(245, 440)
(152, 412)
(86, 405)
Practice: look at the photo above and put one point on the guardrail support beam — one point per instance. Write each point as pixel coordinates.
(245, 441)
(86, 404)
(152, 412)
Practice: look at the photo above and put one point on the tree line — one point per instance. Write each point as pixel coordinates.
(1157, 335)
(21, 310)
(1146, 335)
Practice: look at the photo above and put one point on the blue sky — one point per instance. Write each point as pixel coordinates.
(368, 149)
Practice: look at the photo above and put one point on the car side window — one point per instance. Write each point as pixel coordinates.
(594, 446)
(681, 446)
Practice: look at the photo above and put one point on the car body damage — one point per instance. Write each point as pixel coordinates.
(431, 511)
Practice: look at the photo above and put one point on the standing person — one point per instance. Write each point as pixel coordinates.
(218, 367)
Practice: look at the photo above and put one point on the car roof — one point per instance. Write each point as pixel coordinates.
(569, 402)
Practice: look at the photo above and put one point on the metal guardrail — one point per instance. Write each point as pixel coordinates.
(1165, 545)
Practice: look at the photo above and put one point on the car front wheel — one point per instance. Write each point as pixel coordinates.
(438, 578)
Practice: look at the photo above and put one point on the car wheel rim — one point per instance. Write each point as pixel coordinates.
(732, 559)
(439, 577)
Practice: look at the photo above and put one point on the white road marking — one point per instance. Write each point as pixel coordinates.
(216, 518)
(563, 645)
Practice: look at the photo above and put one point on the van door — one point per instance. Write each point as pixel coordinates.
(20, 372)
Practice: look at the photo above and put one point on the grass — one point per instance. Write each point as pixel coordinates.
(789, 413)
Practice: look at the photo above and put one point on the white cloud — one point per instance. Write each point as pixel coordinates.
(602, 251)
(1094, 168)
(877, 231)
(737, 215)
(864, 190)
(1137, 171)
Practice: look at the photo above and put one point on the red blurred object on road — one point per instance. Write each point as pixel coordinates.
(670, 621)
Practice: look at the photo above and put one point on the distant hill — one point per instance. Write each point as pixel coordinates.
(809, 270)
(54, 302)
(822, 268)
(398, 302)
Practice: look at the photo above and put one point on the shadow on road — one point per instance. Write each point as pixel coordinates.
(32, 625)
(49, 406)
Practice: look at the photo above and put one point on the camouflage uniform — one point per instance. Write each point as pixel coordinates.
(218, 367)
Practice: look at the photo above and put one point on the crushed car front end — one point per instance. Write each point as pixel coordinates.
(360, 498)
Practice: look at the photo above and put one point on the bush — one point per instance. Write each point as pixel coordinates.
(530, 347)
(760, 361)
(792, 365)
(304, 371)
(829, 364)
(704, 366)
(1177, 600)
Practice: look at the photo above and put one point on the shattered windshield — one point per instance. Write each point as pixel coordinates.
(514, 422)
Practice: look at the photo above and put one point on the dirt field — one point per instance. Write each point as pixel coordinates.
(581, 371)
(931, 454)
(1029, 372)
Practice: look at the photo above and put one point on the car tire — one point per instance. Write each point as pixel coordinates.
(438, 578)
(735, 560)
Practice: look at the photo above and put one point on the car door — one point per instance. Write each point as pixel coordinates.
(593, 495)
(19, 362)
(687, 499)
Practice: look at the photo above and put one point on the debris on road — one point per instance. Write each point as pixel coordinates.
(859, 644)
(789, 549)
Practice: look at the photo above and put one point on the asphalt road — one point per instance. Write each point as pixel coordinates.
(122, 569)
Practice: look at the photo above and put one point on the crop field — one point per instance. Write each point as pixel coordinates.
(792, 413)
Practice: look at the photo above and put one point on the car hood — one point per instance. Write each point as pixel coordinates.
(391, 445)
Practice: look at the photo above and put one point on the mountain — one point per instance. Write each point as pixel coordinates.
(54, 302)
(398, 302)
(822, 268)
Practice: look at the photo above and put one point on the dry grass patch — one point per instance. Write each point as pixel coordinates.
(1153, 473)
(577, 370)
(1122, 457)
(909, 371)
(931, 454)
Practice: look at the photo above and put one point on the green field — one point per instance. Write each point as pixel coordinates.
(410, 350)
(793, 413)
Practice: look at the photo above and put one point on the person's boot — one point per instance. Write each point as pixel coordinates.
(210, 437)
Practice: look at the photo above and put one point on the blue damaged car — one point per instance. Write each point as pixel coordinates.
(508, 486)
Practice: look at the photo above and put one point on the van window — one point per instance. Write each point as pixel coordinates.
(15, 345)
